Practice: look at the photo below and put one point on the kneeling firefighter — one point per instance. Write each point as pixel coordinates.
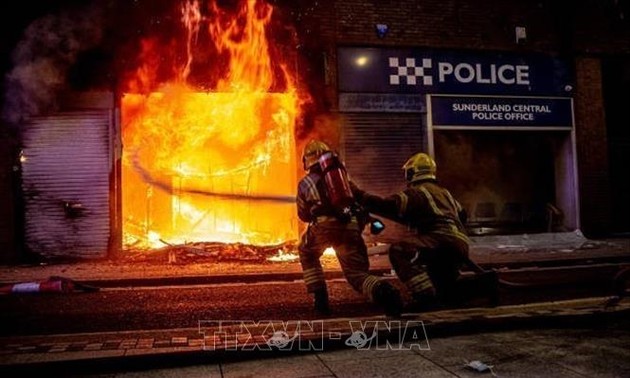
(428, 263)
(326, 203)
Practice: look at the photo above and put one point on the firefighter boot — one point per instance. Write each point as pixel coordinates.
(388, 297)
(424, 301)
(321, 302)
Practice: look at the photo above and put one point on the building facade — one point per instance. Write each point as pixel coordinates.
(524, 105)
(505, 176)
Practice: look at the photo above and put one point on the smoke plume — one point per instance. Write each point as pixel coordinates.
(48, 48)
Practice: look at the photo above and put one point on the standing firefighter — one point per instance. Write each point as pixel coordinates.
(325, 202)
(440, 242)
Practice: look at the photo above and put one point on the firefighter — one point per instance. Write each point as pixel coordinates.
(330, 226)
(429, 262)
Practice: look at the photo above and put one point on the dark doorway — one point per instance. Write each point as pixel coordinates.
(507, 181)
(616, 86)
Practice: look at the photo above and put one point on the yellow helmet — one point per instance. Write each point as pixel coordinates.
(419, 167)
(312, 151)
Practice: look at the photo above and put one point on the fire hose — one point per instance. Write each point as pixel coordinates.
(147, 177)
(473, 266)
(168, 188)
(477, 269)
(620, 287)
(54, 284)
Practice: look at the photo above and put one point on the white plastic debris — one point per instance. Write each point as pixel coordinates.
(479, 367)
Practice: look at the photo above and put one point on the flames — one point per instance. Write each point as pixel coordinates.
(183, 145)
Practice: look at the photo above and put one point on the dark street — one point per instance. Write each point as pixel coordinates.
(163, 307)
(167, 307)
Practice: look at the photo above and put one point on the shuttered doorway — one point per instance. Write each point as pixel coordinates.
(66, 164)
(376, 145)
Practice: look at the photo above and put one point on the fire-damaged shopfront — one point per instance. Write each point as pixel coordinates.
(500, 126)
(187, 126)
(169, 161)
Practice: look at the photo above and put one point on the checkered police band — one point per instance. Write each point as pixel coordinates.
(409, 72)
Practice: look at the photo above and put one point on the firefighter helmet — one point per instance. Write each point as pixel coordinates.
(312, 151)
(419, 167)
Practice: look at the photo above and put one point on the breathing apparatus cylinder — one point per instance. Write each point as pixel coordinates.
(337, 184)
(340, 194)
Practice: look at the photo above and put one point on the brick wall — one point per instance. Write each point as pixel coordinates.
(592, 147)
(477, 24)
(552, 25)
(598, 28)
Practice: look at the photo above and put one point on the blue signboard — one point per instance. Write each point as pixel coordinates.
(458, 111)
(422, 71)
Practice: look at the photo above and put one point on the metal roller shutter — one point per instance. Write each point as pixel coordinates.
(66, 185)
(375, 146)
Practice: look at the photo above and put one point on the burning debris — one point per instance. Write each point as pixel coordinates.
(209, 108)
(198, 252)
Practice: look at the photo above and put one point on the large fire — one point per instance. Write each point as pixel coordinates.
(212, 165)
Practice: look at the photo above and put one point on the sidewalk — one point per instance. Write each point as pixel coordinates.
(532, 353)
(583, 352)
(429, 344)
(160, 268)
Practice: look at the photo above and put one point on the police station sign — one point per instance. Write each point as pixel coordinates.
(408, 72)
(471, 111)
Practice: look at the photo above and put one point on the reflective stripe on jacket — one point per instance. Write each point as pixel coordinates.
(424, 206)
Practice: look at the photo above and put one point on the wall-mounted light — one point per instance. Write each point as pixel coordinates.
(361, 60)
(521, 34)
(381, 30)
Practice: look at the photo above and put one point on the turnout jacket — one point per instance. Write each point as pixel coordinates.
(311, 199)
(424, 206)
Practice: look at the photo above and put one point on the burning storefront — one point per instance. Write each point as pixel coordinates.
(194, 147)
(234, 143)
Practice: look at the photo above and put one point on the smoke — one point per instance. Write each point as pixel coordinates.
(41, 60)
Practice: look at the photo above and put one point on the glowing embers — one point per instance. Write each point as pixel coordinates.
(193, 164)
(286, 255)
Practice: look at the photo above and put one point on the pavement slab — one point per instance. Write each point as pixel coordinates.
(398, 365)
(286, 367)
(515, 353)
(318, 335)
